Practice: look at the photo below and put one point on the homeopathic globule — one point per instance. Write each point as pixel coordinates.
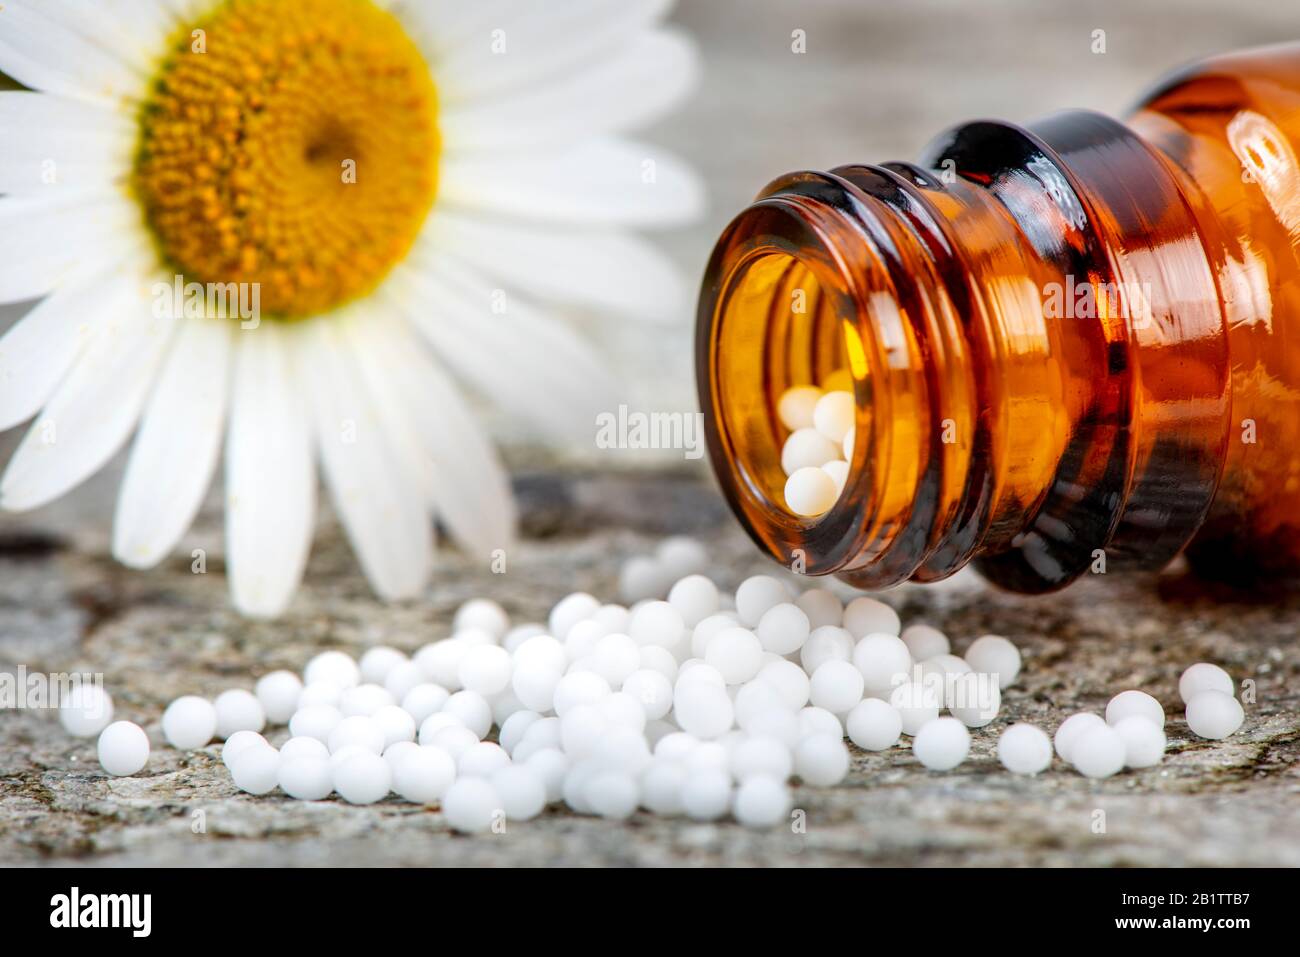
(1071, 345)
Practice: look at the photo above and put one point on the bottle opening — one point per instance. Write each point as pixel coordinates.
(793, 298)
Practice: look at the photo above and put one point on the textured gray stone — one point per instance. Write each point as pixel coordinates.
(169, 632)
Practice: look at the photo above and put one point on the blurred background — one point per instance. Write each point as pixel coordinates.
(878, 79)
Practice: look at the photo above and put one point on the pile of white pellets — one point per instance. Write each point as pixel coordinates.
(705, 705)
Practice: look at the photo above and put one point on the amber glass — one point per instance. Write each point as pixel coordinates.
(1075, 345)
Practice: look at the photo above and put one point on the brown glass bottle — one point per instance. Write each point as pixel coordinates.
(1074, 345)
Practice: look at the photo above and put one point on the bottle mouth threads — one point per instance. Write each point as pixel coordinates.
(986, 425)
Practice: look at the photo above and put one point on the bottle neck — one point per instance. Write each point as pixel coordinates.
(1036, 342)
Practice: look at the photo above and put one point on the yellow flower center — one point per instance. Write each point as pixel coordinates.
(292, 144)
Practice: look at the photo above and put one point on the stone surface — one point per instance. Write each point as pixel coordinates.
(168, 632)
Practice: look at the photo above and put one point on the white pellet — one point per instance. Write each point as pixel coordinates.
(301, 747)
(756, 595)
(1098, 752)
(472, 805)
(1071, 729)
(306, 778)
(762, 801)
(481, 760)
(706, 796)
(657, 623)
(480, 613)
(396, 724)
(865, 616)
(365, 699)
(795, 406)
(378, 661)
(123, 748)
(1204, 676)
(363, 778)
(810, 491)
(760, 755)
(942, 744)
(403, 678)
(807, 448)
(833, 416)
(512, 732)
(822, 760)
(315, 721)
(256, 769)
(86, 710)
(875, 725)
(883, 661)
(917, 704)
(838, 472)
(783, 629)
(521, 790)
(703, 710)
(789, 680)
(736, 653)
(1129, 703)
(827, 643)
(1214, 714)
(994, 655)
(1024, 749)
(695, 597)
(332, 667)
(472, 709)
(682, 555)
(550, 765)
(279, 693)
(823, 607)
(570, 610)
(643, 577)
(836, 686)
(975, 698)
(613, 795)
(925, 641)
(189, 722)
(652, 690)
(238, 710)
(485, 669)
(239, 741)
(423, 700)
(1144, 741)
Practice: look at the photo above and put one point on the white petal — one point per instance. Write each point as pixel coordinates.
(633, 85)
(540, 40)
(176, 449)
(45, 238)
(526, 362)
(379, 502)
(133, 31)
(270, 478)
(441, 25)
(44, 54)
(468, 484)
(600, 181)
(51, 142)
(94, 409)
(605, 268)
(37, 351)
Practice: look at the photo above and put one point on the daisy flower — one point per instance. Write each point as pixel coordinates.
(277, 232)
